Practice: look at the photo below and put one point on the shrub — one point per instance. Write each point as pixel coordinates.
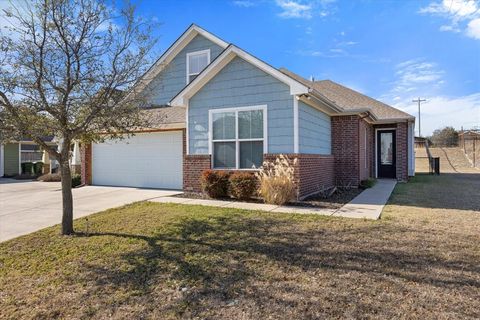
(27, 167)
(38, 168)
(276, 181)
(367, 183)
(50, 177)
(76, 180)
(242, 185)
(215, 183)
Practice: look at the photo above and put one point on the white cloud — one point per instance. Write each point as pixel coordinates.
(244, 3)
(416, 74)
(293, 9)
(304, 9)
(462, 15)
(449, 28)
(473, 28)
(420, 78)
(441, 111)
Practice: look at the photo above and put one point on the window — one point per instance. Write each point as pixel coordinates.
(196, 62)
(30, 153)
(238, 137)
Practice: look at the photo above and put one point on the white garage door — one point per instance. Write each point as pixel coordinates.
(146, 160)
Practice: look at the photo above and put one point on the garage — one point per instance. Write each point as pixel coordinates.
(145, 160)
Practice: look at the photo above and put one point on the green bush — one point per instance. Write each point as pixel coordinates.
(27, 167)
(215, 183)
(76, 180)
(242, 185)
(367, 183)
(38, 168)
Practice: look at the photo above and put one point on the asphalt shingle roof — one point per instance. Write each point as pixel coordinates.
(350, 100)
(166, 117)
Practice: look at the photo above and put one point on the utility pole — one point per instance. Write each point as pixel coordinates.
(419, 124)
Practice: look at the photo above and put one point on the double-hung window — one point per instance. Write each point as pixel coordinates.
(196, 62)
(238, 137)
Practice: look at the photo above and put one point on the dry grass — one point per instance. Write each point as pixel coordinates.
(276, 180)
(146, 260)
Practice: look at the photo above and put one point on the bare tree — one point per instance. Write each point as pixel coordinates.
(64, 66)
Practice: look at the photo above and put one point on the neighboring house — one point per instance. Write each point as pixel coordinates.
(420, 142)
(13, 154)
(220, 107)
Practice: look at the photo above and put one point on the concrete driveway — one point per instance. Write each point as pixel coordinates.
(28, 206)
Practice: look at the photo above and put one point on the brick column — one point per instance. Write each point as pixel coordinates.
(346, 149)
(86, 165)
(402, 151)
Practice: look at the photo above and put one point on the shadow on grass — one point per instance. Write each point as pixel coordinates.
(216, 258)
(458, 191)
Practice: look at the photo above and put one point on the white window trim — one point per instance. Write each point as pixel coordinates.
(237, 141)
(194, 53)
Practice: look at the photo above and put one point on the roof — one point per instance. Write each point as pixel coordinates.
(350, 100)
(46, 139)
(165, 117)
(232, 51)
(474, 133)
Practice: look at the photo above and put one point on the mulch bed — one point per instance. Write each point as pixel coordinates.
(339, 198)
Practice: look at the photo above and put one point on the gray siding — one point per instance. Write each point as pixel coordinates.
(240, 84)
(173, 78)
(11, 159)
(314, 130)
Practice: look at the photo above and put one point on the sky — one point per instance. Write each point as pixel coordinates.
(392, 50)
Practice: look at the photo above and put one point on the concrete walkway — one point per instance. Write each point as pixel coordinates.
(367, 205)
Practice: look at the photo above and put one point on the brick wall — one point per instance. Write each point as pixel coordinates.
(86, 165)
(366, 149)
(313, 173)
(193, 166)
(402, 151)
(346, 149)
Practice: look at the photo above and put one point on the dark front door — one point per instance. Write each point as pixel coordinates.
(386, 154)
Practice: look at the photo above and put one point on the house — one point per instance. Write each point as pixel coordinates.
(420, 142)
(220, 107)
(13, 154)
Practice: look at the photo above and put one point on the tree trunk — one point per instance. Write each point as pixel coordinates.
(67, 199)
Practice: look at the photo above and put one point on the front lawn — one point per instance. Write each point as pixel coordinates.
(160, 261)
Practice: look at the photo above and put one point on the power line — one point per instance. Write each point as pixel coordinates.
(419, 101)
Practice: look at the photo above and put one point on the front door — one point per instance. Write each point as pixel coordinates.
(386, 154)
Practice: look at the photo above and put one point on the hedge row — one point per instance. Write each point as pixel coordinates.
(32, 168)
(221, 184)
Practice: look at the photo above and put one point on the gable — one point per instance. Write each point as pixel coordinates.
(242, 84)
(172, 78)
(295, 87)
